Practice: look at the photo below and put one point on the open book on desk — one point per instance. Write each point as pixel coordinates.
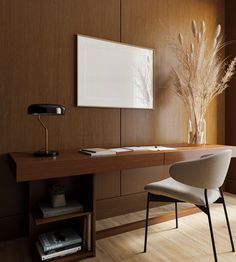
(150, 148)
(97, 151)
(112, 151)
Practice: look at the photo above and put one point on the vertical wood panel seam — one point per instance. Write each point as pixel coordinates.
(120, 21)
(120, 108)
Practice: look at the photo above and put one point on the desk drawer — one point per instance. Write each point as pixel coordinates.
(134, 180)
(107, 185)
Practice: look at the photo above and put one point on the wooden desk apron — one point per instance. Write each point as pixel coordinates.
(71, 163)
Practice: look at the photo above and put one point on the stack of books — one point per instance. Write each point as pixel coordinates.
(58, 243)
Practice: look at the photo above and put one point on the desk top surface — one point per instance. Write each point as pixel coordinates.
(70, 162)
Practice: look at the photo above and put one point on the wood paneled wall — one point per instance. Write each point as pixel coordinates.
(230, 96)
(38, 65)
(148, 23)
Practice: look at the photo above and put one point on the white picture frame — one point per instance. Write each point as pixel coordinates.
(114, 75)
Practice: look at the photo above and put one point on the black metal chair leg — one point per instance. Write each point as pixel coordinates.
(146, 225)
(210, 225)
(227, 220)
(176, 215)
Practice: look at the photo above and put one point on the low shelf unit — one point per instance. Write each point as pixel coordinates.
(77, 187)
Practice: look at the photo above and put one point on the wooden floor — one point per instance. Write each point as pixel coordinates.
(190, 242)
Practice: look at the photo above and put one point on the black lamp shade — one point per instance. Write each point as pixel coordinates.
(46, 109)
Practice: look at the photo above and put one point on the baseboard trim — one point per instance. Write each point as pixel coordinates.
(140, 224)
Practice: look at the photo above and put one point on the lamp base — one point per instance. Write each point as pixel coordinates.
(46, 154)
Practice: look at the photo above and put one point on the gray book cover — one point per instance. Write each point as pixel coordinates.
(59, 238)
(71, 207)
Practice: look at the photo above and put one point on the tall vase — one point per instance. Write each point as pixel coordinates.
(197, 130)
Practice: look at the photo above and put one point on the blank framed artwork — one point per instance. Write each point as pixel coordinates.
(111, 74)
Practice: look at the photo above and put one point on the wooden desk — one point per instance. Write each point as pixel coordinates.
(73, 165)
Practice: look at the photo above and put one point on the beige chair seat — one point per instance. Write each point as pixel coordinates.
(174, 189)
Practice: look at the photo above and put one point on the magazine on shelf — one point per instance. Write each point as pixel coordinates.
(97, 151)
(71, 206)
(59, 238)
(57, 253)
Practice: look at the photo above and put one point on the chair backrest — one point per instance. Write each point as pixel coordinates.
(208, 172)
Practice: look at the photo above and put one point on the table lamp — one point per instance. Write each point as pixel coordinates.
(45, 109)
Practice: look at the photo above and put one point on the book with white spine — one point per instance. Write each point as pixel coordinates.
(55, 253)
(59, 238)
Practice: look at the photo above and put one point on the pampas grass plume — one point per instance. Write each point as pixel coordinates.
(181, 39)
(194, 28)
(200, 73)
(192, 48)
(218, 30)
(203, 27)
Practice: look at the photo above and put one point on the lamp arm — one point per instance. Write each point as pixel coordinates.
(46, 133)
